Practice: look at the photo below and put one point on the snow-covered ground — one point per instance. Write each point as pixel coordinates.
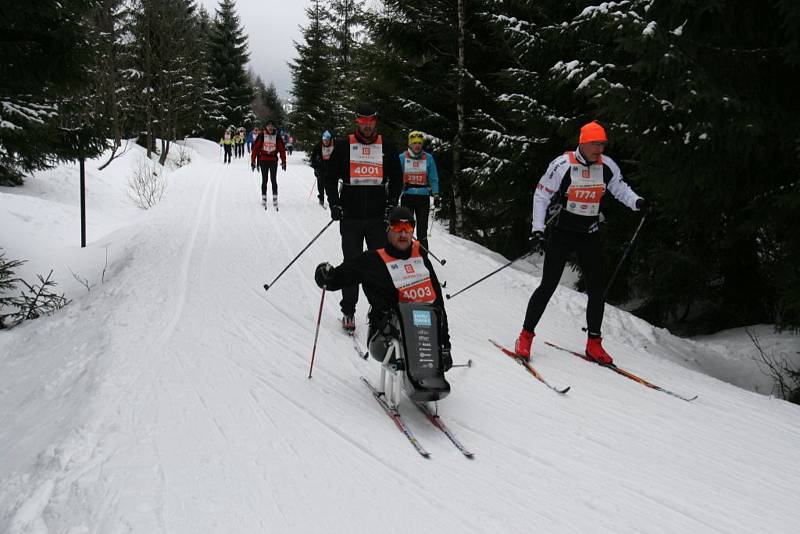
(172, 396)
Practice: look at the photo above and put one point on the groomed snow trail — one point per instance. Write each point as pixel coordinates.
(174, 398)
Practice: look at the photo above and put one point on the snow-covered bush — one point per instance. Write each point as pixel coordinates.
(147, 184)
(184, 156)
(785, 374)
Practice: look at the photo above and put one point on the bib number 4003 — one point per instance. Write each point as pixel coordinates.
(417, 293)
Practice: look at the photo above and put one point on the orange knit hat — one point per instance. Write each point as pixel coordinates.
(592, 132)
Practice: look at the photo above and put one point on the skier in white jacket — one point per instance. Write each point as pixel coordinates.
(576, 182)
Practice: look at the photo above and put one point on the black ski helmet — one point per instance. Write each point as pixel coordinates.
(367, 109)
(401, 213)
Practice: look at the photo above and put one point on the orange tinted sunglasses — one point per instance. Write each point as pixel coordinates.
(401, 226)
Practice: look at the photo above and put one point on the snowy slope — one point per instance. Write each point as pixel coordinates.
(173, 396)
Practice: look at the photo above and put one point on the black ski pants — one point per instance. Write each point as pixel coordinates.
(420, 206)
(559, 248)
(320, 186)
(269, 169)
(227, 149)
(354, 232)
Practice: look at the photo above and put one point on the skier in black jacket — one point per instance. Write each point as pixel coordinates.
(367, 165)
(319, 162)
(411, 281)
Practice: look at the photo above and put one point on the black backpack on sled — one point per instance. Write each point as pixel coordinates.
(414, 329)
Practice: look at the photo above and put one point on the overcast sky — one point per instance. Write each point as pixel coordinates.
(271, 27)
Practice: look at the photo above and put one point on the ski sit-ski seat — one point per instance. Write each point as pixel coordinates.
(407, 342)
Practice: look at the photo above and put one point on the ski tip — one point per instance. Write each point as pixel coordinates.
(565, 390)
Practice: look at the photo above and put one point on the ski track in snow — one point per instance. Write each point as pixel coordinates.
(174, 398)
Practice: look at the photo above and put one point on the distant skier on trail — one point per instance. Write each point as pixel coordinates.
(420, 183)
(372, 180)
(397, 273)
(227, 145)
(319, 162)
(250, 139)
(238, 141)
(578, 180)
(268, 147)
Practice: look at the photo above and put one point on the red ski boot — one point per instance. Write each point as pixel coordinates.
(522, 347)
(596, 352)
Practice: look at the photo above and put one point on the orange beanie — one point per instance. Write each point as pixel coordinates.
(592, 132)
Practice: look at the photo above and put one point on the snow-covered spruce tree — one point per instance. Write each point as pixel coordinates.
(685, 90)
(43, 57)
(212, 102)
(414, 74)
(266, 104)
(172, 78)
(269, 95)
(312, 79)
(109, 93)
(345, 24)
(228, 57)
(523, 122)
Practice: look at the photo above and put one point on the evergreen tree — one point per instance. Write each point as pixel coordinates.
(212, 103)
(228, 57)
(173, 81)
(345, 23)
(416, 77)
(312, 77)
(43, 57)
(691, 94)
(273, 104)
(110, 94)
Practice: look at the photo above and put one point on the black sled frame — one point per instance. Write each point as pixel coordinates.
(407, 345)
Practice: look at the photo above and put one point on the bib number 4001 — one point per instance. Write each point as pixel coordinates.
(366, 170)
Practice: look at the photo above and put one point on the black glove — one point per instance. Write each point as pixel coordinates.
(641, 204)
(252, 167)
(437, 202)
(536, 242)
(447, 359)
(323, 275)
(336, 212)
(283, 165)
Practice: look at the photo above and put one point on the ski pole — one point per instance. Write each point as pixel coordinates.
(441, 262)
(267, 286)
(490, 274)
(316, 333)
(468, 364)
(624, 255)
(312, 188)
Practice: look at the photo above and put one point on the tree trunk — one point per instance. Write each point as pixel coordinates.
(457, 220)
(164, 151)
